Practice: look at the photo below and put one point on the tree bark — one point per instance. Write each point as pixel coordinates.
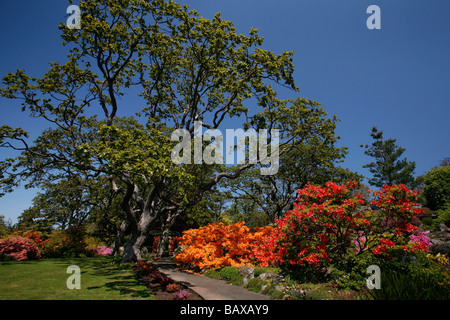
(138, 237)
(163, 244)
(119, 238)
(130, 253)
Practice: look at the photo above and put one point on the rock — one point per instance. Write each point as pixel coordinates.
(271, 276)
(436, 241)
(440, 236)
(443, 227)
(247, 272)
(297, 293)
(280, 288)
(442, 248)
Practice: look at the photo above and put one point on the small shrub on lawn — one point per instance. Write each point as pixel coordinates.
(213, 274)
(173, 287)
(271, 291)
(19, 248)
(255, 284)
(181, 295)
(231, 275)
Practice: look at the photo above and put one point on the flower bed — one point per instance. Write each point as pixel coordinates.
(163, 287)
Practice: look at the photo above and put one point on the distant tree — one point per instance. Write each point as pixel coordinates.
(313, 162)
(210, 209)
(388, 168)
(244, 208)
(5, 226)
(74, 201)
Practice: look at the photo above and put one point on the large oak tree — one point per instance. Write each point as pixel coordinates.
(185, 68)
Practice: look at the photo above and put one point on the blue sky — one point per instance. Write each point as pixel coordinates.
(397, 78)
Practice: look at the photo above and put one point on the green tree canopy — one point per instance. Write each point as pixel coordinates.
(185, 69)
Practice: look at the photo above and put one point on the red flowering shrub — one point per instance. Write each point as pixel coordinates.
(263, 246)
(19, 248)
(35, 236)
(394, 226)
(320, 227)
(398, 204)
(325, 225)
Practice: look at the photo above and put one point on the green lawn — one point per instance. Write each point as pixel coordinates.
(46, 280)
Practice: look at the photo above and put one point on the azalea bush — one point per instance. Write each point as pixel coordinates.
(216, 245)
(173, 287)
(19, 248)
(394, 227)
(102, 250)
(321, 226)
(264, 245)
(328, 223)
(37, 237)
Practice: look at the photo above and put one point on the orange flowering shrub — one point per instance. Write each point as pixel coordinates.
(217, 245)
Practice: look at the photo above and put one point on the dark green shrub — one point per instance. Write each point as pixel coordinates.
(260, 270)
(213, 273)
(443, 216)
(409, 286)
(272, 292)
(231, 275)
(67, 243)
(351, 271)
(437, 187)
(427, 221)
(255, 284)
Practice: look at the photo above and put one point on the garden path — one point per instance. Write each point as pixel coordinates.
(209, 289)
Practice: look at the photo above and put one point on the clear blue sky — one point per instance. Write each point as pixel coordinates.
(397, 78)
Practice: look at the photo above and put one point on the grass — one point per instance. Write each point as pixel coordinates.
(46, 279)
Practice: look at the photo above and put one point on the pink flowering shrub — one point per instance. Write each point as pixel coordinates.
(19, 248)
(421, 237)
(181, 295)
(103, 251)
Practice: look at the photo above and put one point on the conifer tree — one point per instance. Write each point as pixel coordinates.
(388, 167)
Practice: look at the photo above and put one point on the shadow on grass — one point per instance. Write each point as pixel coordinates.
(124, 284)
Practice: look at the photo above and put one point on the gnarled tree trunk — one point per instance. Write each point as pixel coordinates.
(163, 244)
(119, 238)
